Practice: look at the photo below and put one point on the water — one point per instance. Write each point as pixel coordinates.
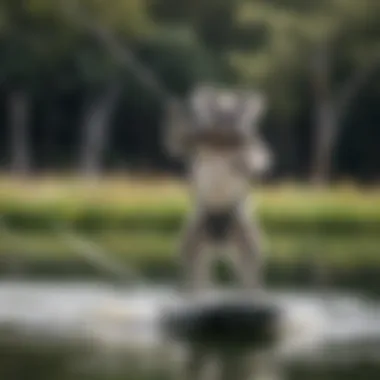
(96, 329)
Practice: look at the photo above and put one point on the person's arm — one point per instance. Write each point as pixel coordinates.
(255, 159)
(260, 157)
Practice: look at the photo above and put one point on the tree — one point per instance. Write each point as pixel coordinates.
(325, 36)
(30, 42)
(100, 70)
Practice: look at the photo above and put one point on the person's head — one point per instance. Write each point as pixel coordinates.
(224, 117)
(216, 118)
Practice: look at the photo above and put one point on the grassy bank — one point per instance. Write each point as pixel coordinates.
(142, 247)
(160, 206)
(138, 221)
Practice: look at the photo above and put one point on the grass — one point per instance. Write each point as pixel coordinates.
(138, 220)
(115, 203)
(143, 247)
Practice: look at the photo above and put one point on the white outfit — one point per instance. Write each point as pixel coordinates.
(216, 181)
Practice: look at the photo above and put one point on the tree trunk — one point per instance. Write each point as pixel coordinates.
(326, 124)
(324, 117)
(18, 103)
(51, 134)
(97, 115)
(285, 147)
(331, 109)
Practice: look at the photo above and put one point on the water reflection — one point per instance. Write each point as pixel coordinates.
(26, 361)
(93, 331)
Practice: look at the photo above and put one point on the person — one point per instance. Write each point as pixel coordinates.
(219, 141)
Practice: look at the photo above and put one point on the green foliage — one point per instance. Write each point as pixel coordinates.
(162, 208)
(46, 49)
(150, 248)
(98, 217)
(294, 32)
(262, 40)
(140, 223)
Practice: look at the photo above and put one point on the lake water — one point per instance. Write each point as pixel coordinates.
(70, 330)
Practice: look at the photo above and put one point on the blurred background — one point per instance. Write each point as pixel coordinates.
(82, 165)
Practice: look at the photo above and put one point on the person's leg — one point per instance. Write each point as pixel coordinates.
(194, 261)
(247, 238)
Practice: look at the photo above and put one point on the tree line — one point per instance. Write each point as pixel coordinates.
(67, 103)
